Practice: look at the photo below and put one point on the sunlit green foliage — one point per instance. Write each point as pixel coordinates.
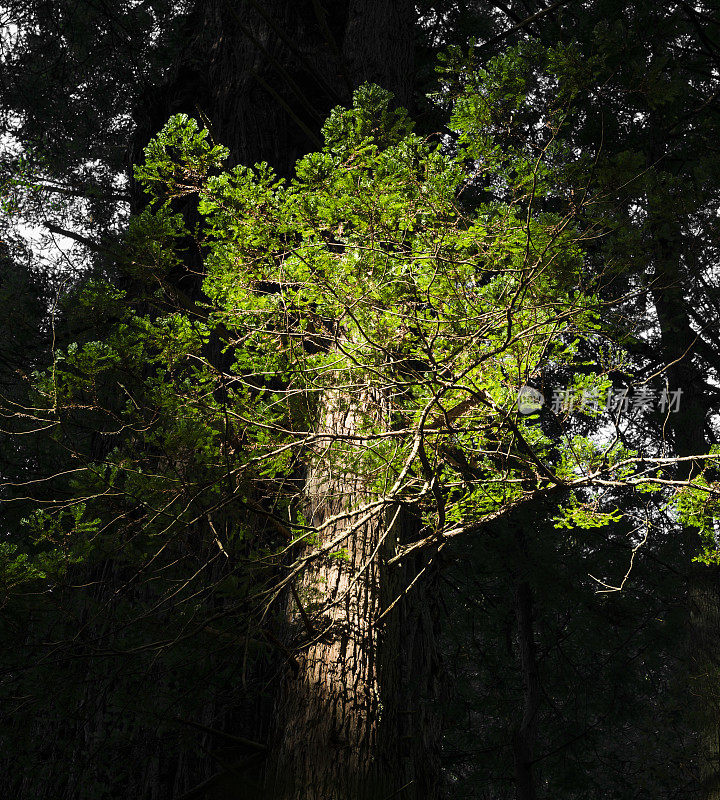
(365, 287)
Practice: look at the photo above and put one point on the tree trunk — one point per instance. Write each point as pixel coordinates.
(687, 427)
(264, 74)
(357, 720)
(525, 730)
(354, 722)
(524, 734)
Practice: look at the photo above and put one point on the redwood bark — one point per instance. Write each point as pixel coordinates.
(357, 721)
(264, 74)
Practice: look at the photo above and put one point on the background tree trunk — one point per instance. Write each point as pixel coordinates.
(264, 75)
(687, 427)
(357, 720)
(525, 730)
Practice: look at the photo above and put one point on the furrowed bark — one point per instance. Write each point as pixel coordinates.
(357, 721)
(329, 713)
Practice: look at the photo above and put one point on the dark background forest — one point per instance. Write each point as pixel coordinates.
(531, 659)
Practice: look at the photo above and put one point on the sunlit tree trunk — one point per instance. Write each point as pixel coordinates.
(356, 721)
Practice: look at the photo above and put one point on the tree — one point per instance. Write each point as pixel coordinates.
(202, 444)
(440, 306)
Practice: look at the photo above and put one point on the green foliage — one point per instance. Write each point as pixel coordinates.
(585, 515)
(697, 506)
(178, 159)
(370, 122)
(363, 287)
(425, 284)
